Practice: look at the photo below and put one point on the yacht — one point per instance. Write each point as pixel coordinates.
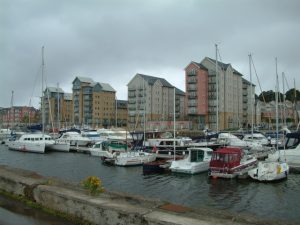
(267, 171)
(36, 142)
(74, 139)
(291, 151)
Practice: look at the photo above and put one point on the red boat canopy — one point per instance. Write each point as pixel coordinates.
(226, 157)
(229, 150)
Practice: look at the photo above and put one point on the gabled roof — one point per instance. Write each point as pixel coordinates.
(68, 96)
(151, 80)
(179, 92)
(247, 82)
(55, 89)
(224, 66)
(84, 79)
(199, 65)
(107, 87)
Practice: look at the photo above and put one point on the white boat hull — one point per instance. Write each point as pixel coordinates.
(189, 168)
(134, 158)
(100, 153)
(269, 171)
(61, 147)
(27, 147)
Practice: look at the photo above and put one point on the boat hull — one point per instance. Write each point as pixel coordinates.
(190, 168)
(27, 147)
(269, 171)
(134, 158)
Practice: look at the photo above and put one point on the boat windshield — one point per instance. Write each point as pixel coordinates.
(292, 142)
(197, 156)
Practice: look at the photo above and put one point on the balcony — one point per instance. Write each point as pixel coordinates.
(212, 97)
(192, 80)
(194, 104)
(192, 73)
(192, 88)
(192, 95)
(192, 111)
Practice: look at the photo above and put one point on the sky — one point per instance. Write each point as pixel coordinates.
(111, 41)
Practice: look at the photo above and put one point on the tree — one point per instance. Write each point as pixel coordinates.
(270, 96)
(290, 95)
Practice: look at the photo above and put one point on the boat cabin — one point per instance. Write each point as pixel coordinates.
(200, 154)
(293, 140)
(226, 158)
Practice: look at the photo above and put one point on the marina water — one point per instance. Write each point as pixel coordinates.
(278, 200)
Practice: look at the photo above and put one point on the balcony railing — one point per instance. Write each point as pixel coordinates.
(192, 80)
(192, 88)
(192, 95)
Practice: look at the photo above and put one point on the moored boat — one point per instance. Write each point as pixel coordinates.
(134, 158)
(107, 148)
(36, 142)
(230, 162)
(196, 161)
(269, 171)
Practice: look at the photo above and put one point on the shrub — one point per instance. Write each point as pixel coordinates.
(93, 184)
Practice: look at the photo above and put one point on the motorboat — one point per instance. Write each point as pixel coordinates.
(92, 135)
(196, 161)
(33, 142)
(60, 146)
(267, 171)
(291, 151)
(230, 162)
(74, 139)
(107, 148)
(130, 158)
(257, 138)
(109, 134)
(166, 145)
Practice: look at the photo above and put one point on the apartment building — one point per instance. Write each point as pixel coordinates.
(94, 103)
(197, 93)
(152, 99)
(205, 103)
(121, 113)
(18, 116)
(58, 108)
(248, 111)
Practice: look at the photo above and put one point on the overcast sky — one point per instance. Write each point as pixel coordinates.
(110, 41)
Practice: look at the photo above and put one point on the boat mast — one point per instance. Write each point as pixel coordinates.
(284, 106)
(276, 105)
(217, 86)
(174, 125)
(144, 100)
(11, 111)
(251, 97)
(58, 116)
(43, 108)
(116, 124)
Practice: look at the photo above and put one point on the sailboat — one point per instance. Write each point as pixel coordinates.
(273, 168)
(34, 142)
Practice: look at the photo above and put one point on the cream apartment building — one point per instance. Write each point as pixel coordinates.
(152, 99)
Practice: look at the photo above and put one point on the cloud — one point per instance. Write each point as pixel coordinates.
(111, 41)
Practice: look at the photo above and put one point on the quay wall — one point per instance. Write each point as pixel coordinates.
(110, 208)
